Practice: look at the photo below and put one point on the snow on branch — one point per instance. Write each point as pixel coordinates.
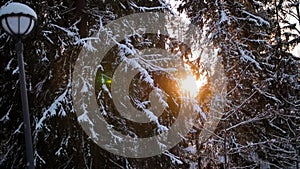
(144, 8)
(175, 159)
(268, 95)
(223, 17)
(55, 109)
(246, 57)
(69, 33)
(257, 19)
(246, 122)
(6, 116)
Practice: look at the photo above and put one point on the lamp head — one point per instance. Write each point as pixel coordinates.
(17, 19)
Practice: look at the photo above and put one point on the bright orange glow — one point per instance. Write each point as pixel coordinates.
(191, 86)
(188, 86)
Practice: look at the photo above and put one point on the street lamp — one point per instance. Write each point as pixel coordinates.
(18, 20)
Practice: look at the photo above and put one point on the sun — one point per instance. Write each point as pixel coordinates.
(190, 85)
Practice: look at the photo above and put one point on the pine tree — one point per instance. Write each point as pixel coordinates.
(259, 126)
(50, 55)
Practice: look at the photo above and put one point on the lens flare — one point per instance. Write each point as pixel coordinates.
(190, 86)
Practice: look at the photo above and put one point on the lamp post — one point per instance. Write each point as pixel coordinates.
(18, 20)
